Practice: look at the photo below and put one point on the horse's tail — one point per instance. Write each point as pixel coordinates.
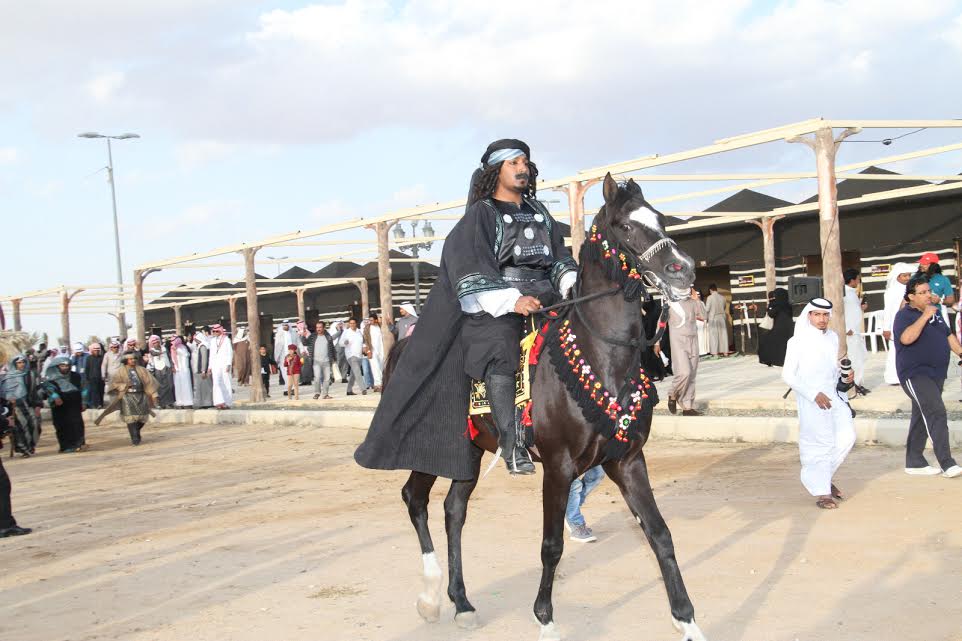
(392, 359)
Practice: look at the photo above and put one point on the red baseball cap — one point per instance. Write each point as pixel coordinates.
(928, 258)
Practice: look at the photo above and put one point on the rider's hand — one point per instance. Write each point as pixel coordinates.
(526, 305)
(822, 401)
(657, 349)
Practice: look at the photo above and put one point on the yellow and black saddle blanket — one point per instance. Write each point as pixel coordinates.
(478, 403)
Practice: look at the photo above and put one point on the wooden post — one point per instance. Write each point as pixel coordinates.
(825, 145)
(767, 225)
(362, 286)
(64, 318)
(384, 284)
(16, 314)
(178, 321)
(139, 277)
(301, 311)
(576, 210)
(253, 321)
(232, 309)
(65, 300)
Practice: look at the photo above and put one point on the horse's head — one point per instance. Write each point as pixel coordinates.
(633, 226)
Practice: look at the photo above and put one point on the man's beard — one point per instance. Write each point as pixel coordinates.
(520, 188)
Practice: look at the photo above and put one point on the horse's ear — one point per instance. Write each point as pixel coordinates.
(634, 188)
(610, 188)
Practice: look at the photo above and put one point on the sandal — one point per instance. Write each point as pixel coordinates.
(826, 504)
(837, 493)
(317, 396)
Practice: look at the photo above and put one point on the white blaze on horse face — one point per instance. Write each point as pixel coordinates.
(647, 218)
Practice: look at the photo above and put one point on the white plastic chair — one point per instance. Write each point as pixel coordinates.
(873, 330)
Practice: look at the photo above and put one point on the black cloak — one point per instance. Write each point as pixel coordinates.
(421, 420)
(773, 343)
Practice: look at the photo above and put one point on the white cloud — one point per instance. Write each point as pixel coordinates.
(103, 86)
(953, 35)
(411, 196)
(196, 153)
(8, 155)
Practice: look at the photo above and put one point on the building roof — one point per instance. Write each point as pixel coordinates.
(295, 272)
(855, 188)
(339, 269)
(399, 271)
(748, 200)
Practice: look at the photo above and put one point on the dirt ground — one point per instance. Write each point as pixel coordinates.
(255, 534)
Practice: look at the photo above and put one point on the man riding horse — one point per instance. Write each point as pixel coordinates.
(503, 260)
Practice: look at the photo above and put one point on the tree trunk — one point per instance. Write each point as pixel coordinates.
(139, 309)
(253, 324)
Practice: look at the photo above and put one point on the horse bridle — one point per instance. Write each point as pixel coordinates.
(638, 344)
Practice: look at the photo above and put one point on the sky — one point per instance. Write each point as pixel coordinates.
(259, 118)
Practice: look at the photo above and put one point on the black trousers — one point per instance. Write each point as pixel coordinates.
(6, 511)
(95, 392)
(929, 421)
(266, 379)
(492, 345)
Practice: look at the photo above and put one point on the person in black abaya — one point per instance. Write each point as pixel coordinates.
(772, 343)
(650, 361)
(65, 393)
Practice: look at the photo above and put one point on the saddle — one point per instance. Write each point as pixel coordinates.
(478, 403)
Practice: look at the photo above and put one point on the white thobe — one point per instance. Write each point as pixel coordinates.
(221, 359)
(825, 437)
(282, 338)
(377, 353)
(183, 388)
(853, 323)
(717, 323)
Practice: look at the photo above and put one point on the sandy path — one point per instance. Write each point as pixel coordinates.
(242, 534)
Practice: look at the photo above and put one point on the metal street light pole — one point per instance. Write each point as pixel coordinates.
(415, 247)
(121, 315)
(278, 264)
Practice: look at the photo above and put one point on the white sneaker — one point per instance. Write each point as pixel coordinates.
(928, 470)
(952, 472)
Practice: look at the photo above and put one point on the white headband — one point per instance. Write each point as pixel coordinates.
(502, 155)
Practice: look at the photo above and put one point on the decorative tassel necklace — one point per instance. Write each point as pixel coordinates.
(614, 416)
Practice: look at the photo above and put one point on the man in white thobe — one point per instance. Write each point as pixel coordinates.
(899, 275)
(282, 338)
(683, 317)
(715, 305)
(854, 340)
(826, 432)
(221, 359)
(374, 342)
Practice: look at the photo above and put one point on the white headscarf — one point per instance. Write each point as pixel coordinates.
(802, 325)
(409, 308)
(894, 293)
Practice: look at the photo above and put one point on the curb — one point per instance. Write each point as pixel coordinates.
(725, 429)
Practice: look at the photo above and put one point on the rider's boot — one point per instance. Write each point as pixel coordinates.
(501, 391)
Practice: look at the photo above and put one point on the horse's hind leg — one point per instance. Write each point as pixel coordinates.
(416, 493)
(632, 479)
(455, 513)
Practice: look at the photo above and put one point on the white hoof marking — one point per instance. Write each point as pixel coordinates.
(691, 630)
(549, 633)
(429, 601)
(466, 620)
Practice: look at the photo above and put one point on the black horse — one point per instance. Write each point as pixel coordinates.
(627, 247)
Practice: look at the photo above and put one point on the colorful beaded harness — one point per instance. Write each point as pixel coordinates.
(614, 416)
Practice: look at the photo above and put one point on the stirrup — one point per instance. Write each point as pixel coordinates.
(518, 462)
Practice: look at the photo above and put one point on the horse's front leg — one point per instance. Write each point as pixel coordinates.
(455, 514)
(416, 494)
(557, 482)
(632, 479)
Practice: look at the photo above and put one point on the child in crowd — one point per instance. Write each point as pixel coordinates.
(268, 367)
(292, 364)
